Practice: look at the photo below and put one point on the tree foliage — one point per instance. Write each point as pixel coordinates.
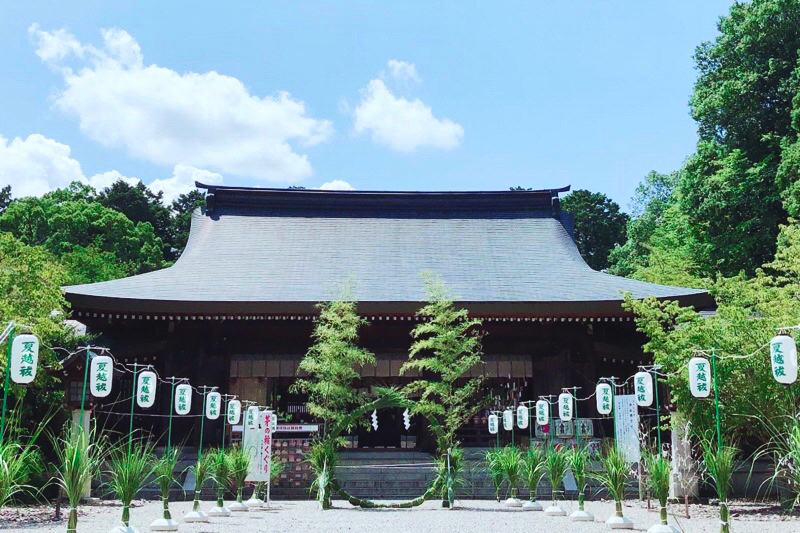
(182, 209)
(447, 344)
(599, 225)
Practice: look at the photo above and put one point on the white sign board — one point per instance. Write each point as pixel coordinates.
(258, 445)
(626, 417)
(24, 358)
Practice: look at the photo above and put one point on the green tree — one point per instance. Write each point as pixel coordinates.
(182, 209)
(599, 225)
(447, 344)
(69, 224)
(5, 198)
(140, 204)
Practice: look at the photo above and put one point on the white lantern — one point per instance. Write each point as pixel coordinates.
(146, 389)
(234, 412)
(699, 377)
(643, 384)
(522, 417)
(542, 412)
(493, 423)
(213, 405)
(101, 375)
(251, 417)
(273, 422)
(565, 406)
(24, 358)
(508, 419)
(604, 398)
(783, 354)
(183, 399)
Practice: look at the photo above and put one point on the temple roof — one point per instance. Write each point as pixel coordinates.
(282, 250)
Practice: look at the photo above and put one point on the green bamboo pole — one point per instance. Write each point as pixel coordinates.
(716, 395)
(202, 421)
(171, 409)
(614, 407)
(83, 391)
(656, 368)
(133, 402)
(530, 426)
(5, 387)
(575, 415)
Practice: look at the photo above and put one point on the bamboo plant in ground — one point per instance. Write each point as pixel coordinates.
(203, 470)
(239, 464)
(220, 472)
(510, 460)
(719, 461)
(495, 470)
(164, 470)
(659, 473)
(128, 473)
(78, 458)
(578, 463)
(323, 458)
(556, 462)
(533, 470)
(613, 475)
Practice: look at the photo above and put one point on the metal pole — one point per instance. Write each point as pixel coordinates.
(716, 395)
(133, 402)
(5, 387)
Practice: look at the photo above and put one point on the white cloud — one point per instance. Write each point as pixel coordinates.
(37, 165)
(336, 185)
(402, 70)
(401, 124)
(206, 120)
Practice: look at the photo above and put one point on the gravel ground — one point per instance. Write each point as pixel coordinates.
(469, 515)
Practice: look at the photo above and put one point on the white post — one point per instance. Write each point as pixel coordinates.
(76, 420)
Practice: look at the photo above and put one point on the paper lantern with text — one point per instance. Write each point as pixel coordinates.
(699, 377)
(542, 412)
(101, 375)
(522, 417)
(146, 388)
(493, 423)
(643, 385)
(24, 358)
(783, 355)
(234, 412)
(604, 398)
(565, 406)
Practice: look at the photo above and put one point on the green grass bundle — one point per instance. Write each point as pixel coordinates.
(18, 463)
(323, 458)
(495, 470)
(659, 473)
(128, 472)
(533, 470)
(510, 460)
(719, 462)
(452, 478)
(239, 464)
(78, 457)
(220, 471)
(613, 475)
(165, 471)
(203, 470)
(578, 463)
(784, 449)
(556, 462)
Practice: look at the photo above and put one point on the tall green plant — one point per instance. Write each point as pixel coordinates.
(239, 462)
(659, 473)
(510, 460)
(220, 469)
(534, 470)
(495, 470)
(719, 461)
(447, 345)
(783, 448)
(128, 473)
(613, 475)
(164, 471)
(578, 463)
(203, 470)
(556, 462)
(331, 365)
(79, 454)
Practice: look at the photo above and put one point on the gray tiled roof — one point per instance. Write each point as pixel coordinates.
(295, 247)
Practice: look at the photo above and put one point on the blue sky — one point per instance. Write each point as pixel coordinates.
(375, 95)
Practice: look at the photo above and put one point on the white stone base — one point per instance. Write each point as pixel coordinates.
(237, 507)
(164, 524)
(619, 522)
(512, 502)
(532, 506)
(661, 528)
(582, 516)
(254, 503)
(215, 512)
(555, 510)
(124, 529)
(196, 516)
